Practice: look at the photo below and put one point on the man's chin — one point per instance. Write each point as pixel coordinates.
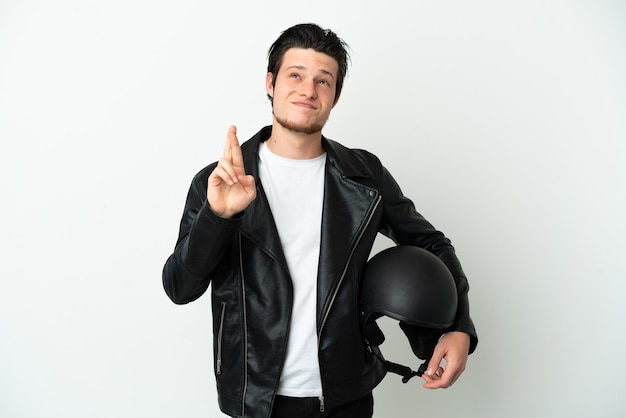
(300, 128)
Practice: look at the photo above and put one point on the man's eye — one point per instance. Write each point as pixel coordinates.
(293, 75)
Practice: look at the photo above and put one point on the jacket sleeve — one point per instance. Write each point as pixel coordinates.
(202, 239)
(405, 226)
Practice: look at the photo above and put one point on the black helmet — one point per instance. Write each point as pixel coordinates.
(415, 287)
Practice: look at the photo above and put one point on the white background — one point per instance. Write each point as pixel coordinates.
(504, 121)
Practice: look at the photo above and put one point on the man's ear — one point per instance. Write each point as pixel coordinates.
(269, 88)
(336, 99)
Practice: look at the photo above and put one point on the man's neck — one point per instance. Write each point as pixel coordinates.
(296, 146)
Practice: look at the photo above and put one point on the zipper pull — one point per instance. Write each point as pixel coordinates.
(322, 405)
(219, 367)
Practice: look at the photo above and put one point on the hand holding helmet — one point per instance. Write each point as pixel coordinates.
(415, 287)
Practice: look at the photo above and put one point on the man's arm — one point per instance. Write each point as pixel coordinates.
(217, 194)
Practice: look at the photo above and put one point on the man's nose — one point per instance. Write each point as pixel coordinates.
(307, 88)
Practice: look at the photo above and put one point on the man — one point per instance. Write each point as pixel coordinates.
(282, 227)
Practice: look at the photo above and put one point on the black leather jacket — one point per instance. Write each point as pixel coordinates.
(252, 291)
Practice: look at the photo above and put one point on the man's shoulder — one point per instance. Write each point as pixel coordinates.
(355, 163)
(353, 156)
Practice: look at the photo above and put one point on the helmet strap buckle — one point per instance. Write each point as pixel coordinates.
(406, 372)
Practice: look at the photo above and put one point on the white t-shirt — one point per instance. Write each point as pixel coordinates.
(295, 191)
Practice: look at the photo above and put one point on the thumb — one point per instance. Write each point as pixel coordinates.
(434, 363)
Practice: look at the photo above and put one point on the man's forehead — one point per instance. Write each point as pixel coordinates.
(309, 60)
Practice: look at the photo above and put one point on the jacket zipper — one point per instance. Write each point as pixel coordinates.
(343, 275)
(245, 331)
(219, 341)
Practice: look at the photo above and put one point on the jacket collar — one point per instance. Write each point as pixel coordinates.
(337, 155)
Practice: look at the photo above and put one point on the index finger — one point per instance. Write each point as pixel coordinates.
(229, 142)
(234, 149)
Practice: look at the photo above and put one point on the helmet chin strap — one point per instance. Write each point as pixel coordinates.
(375, 337)
(406, 372)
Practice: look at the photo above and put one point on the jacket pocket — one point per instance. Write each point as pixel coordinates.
(220, 331)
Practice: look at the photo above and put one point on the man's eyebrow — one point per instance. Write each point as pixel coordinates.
(303, 68)
(329, 73)
(296, 67)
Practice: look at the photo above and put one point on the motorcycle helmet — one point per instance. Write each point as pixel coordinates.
(413, 286)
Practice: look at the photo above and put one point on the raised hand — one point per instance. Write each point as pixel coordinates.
(229, 189)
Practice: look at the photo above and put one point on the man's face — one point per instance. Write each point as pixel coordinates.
(304, 92)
